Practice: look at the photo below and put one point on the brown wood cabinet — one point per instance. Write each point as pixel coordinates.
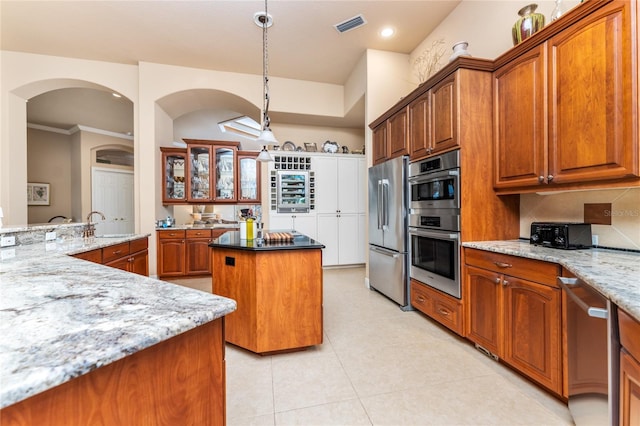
(178, 381)
(171, 253)
(209, 171)
(184, 253)
(444, 114)
(198, 252)
(390, 138)
(565, 112)
(278, 308)
(130, 256)
(513, 310)
(445, 309)
(629, 369)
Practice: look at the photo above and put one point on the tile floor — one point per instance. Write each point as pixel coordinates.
(379, 366)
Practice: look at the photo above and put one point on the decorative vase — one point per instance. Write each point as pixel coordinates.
(558, 11)
(528, 24)
(459, 49)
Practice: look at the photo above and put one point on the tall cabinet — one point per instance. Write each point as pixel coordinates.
(340, 184)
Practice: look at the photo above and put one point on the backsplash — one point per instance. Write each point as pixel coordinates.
(624, 231)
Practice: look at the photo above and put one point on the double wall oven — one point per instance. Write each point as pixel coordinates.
(434, 222)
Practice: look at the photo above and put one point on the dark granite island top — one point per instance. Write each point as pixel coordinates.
(232, 240)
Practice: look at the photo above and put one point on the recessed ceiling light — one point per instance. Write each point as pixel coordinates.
(387, 32)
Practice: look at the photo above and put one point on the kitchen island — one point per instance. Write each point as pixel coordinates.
(84, 343)
(278, 288)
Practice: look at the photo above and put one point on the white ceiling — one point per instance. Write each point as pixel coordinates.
(216, 34)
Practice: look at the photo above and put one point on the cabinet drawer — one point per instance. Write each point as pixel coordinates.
(138, 245)
(94, 256)
(629, 333)
(420, 299)
(172, 234)
(442, 308)
(198, 233)
(529, 269)
(115, 251)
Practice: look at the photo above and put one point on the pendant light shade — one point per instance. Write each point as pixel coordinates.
(264, 155)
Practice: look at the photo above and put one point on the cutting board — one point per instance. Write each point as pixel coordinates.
(278, 237)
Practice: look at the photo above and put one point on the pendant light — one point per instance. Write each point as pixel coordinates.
(264, 20)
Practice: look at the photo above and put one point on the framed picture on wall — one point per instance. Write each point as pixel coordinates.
(38, 194)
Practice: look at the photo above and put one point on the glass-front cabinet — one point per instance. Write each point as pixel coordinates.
(210, 172)
(200, 182)
(249, 177)
(174, 175)
(225, 185)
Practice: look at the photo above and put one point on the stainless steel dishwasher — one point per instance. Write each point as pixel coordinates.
(592, 354)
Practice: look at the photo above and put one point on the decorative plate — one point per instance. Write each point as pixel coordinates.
(330, 147)
(288, 146)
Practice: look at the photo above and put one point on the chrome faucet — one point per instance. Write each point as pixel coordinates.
(90, 228)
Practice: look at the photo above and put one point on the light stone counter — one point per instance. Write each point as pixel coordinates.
(615, 274)
(62, 317)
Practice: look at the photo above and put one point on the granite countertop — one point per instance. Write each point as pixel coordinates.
(62, 317)
(615, 274)
(230, 225)
(232, 240)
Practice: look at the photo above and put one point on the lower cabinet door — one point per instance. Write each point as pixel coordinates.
(171, 258)
(139, 263)
(198, 256)
(629, 390)
(533, 331)
(484, 309)
(122, 263)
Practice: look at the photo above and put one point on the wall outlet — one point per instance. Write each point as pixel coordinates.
(594, 240)
(49, 236)
(8, 241)
(7, 254)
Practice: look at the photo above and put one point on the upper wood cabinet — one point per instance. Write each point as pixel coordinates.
(444, 117)
(565, 109)
(390, 138)
(210, 172)
(420, 127)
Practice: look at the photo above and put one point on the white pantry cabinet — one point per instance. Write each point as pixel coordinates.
(340, 204)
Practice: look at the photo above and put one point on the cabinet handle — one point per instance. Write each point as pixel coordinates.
(503, 265)
(498, 280)
(540, 178)
(117, 252)
(443, 312)
(550, 178)
(505, 282)
(421, 299)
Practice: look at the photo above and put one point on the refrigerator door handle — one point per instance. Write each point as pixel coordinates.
(385, 204)
(380, 203)
(386, 252)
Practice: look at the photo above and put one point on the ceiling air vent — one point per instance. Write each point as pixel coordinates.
(350, 24)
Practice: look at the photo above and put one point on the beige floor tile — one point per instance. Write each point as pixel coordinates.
(305, 380)
(382, 366)
(340, 413)
(409, 366)
(486, 400)
(249, 384)
(264, 420)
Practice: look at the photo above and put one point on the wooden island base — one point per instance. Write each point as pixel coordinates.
(279, 297)
(178, 381)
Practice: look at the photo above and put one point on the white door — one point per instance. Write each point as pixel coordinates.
(112, 194)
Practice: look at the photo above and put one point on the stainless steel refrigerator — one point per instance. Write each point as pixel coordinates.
(388, 225)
